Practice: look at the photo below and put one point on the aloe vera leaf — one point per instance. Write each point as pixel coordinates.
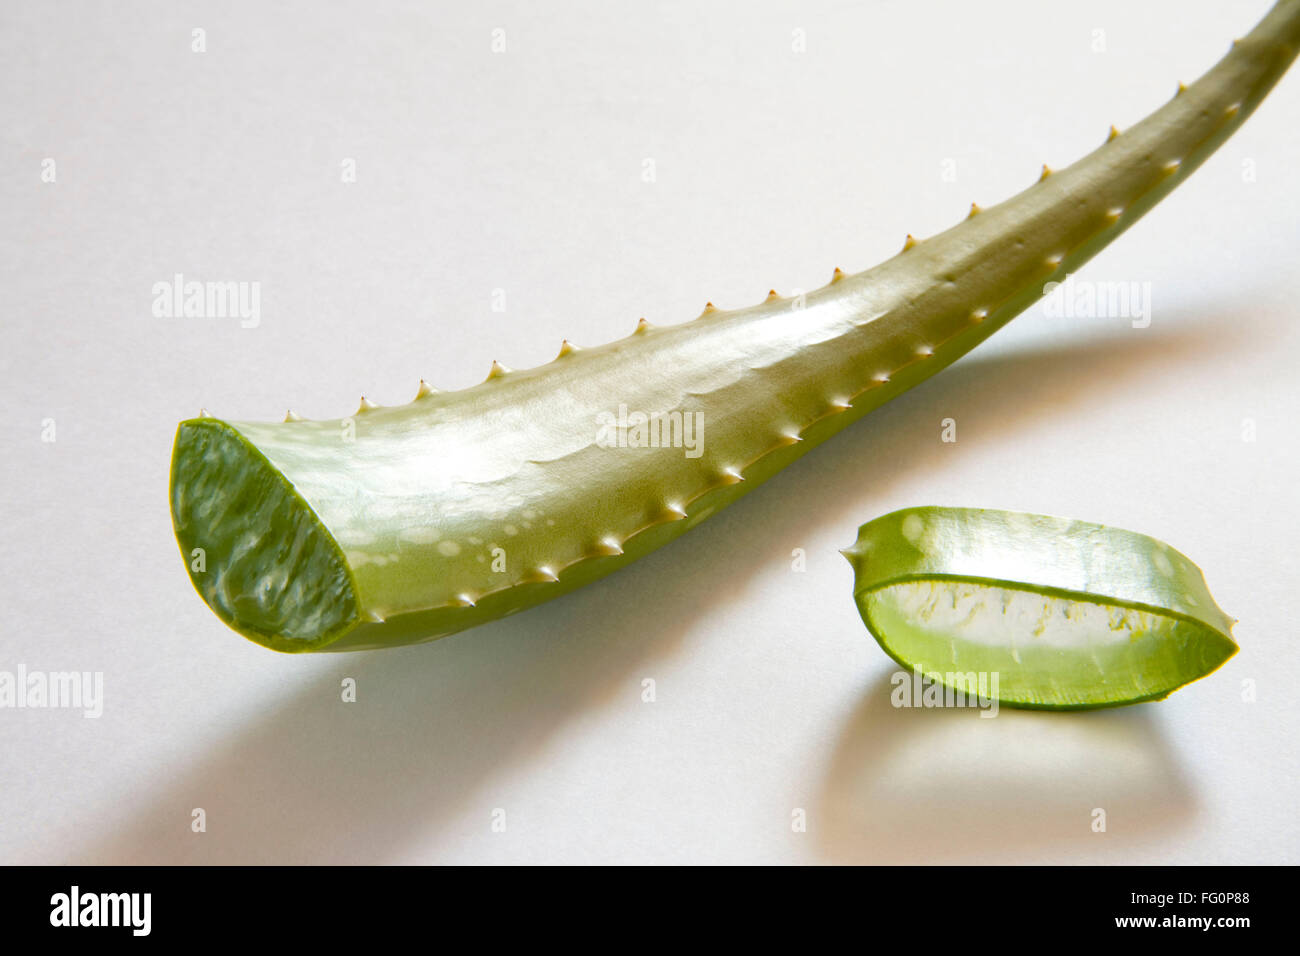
(1068, 614)
(462, 507)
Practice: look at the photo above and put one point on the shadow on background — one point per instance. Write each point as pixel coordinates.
(314, 781)
(909, 785)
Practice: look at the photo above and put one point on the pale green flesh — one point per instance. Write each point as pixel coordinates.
(420, 499)
(1047, 651)
(1067, 614)
(273, 572)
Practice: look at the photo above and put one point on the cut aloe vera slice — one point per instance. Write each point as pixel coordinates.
(1067, 614)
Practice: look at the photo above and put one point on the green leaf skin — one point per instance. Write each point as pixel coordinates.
(1070, 615)
(388, 539)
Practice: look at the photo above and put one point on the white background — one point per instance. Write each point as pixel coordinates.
(523, 171)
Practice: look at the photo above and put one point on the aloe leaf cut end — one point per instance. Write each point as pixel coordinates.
(1067, 614)
(256, 552)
